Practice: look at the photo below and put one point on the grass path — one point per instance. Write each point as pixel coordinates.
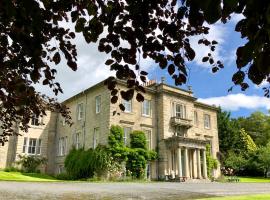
(18, 176)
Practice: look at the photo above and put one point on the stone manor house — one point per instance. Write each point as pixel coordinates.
(176, 125)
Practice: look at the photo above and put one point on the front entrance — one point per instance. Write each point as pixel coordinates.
(186, 160)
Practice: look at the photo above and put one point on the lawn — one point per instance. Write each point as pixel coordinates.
(254, 180)
(246, 197)
(18, 176)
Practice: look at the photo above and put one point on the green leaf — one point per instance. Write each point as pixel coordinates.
(212, 12)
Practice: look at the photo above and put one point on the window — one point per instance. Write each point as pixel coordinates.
(61, 169)
(98, 104)
(180, 131)
(35, 120)
(127, 131)
(128, 105)
(66, 146)
(80, 111)
(180, 111)
(95, 137)
(146, 108)
(32, 146)
(62, 146)
(207, 121)
(38, 147)
(63, 121)
(148, 136)
(25, 144)
(77, 140)
(196, 122)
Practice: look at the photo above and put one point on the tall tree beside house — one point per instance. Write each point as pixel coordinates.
(149, 27)
(228, 132)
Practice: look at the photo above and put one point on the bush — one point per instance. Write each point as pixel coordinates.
(12, 169)
(81, 164)
(31, 163)
(63, 176)
(138, 140)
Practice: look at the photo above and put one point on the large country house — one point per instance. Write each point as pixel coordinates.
(175, 123)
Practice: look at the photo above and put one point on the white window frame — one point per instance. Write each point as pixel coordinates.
(127, 130)
(148, 136)
(25, 145)
(127, 104)
(207, 121)
(95, 137)
(63, 121)
(66, 145)
(77, 140)
(182, 110)
(196, 119)
(79, 111)
(32, 146)
(98, 104)
(146, 108)
(35, 121)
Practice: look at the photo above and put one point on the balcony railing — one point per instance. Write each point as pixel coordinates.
(177, 121)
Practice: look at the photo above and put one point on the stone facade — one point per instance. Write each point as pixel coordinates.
(177, 127)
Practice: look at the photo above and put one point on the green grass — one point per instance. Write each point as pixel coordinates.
(246, 197)
(254, 180)
(18, 176)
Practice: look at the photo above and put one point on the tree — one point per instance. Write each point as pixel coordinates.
(158, 29)
(228, 133)
(264, 158)
(257, 125)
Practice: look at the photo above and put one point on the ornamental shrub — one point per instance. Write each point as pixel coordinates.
(138, 140)
(80, 164)
(30, 164)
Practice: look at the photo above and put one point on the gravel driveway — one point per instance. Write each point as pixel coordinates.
(112, 191)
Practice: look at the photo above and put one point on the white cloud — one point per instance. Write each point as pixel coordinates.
(234, 102)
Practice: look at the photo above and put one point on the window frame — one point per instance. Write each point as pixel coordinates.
(95, 137)
(205, 122)
(80, 110)
(125, 102)
(145, 108)
(196, 119)
(77, 140)
(98, 104)
(126, 135)
(35, 121)
(148, 139)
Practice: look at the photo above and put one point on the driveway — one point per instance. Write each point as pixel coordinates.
(111, 191)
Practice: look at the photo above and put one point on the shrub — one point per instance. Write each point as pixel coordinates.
(81, 164)
(31, 163)
(212, 163)
(11, 169)
(63, 176)
(138, 140)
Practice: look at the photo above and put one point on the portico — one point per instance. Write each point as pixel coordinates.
(186, 157)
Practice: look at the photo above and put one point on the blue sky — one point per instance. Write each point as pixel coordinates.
(207, 87)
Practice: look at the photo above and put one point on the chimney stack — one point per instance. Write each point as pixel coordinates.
(162, 79)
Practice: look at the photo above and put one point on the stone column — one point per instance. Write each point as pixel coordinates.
(194, 167)
(169, 162)
(186, 163)
(179, 158)
(199, 173)
(204, 164)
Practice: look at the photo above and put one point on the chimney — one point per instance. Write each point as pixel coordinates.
(162, 79)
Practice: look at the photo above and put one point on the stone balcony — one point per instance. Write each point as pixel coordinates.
(184, 122)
